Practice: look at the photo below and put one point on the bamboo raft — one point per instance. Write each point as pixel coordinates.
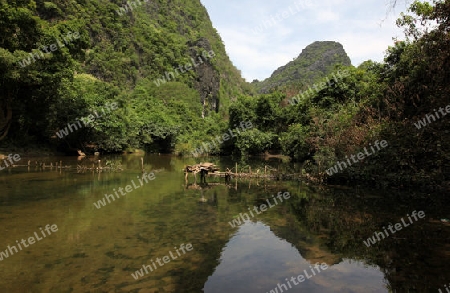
(211, 170)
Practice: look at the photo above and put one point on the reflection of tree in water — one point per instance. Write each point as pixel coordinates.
(415, 258)
(324, 226)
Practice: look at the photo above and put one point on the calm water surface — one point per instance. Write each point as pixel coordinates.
(98, 250)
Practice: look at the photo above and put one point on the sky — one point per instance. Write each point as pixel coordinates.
(262, 35)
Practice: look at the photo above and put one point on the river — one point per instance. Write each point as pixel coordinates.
(164, 235)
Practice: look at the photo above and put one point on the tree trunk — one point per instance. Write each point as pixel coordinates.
(5, 117)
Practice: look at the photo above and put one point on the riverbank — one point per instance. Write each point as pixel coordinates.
(422, 183)
(394, 181)
(32, 150)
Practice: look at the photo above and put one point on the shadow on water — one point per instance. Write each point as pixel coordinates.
(98, 249)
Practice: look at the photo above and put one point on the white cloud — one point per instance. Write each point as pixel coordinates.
(327, 16)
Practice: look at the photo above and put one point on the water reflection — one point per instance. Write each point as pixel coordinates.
(97, 250)
(256, 260)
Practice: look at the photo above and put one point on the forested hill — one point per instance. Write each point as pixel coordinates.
(402, 103)
(161, 61)
(315, 61)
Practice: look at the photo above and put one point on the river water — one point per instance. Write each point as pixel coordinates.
(187, 227)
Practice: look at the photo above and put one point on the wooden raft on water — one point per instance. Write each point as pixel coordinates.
(209, 169)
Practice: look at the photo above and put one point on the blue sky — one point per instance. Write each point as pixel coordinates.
(258, 41)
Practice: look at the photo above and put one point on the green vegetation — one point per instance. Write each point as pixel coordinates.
(118, 57)
(375, 101)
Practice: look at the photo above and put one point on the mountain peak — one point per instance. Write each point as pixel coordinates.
(314, 62)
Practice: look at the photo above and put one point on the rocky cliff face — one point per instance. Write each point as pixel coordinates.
(207, 81)
(314, 62)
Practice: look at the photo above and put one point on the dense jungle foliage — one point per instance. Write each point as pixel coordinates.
(375, 101)
(118, 57)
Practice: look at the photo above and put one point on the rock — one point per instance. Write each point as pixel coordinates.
(207, 82)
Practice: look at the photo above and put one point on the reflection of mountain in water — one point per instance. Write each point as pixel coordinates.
(255, 260)
(330, 228)
(98, 250)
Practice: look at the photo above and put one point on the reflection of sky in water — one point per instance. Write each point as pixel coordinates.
(255, 260)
